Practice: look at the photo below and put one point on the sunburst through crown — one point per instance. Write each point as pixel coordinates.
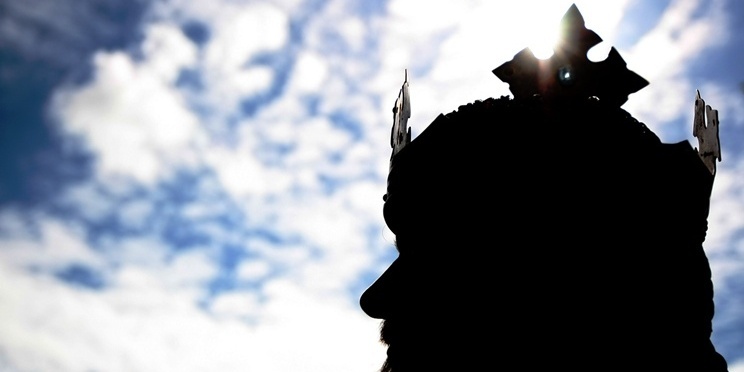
(569, 75)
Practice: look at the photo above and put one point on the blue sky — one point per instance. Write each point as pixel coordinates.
(190, 185)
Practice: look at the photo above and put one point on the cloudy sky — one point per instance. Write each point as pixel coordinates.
(192, 185)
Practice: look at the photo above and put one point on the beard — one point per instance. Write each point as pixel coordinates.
(389, 336)
(385, 331)
(420, 345)
(412, 346)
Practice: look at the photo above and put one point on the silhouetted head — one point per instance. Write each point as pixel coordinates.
(473, 201)
(546, 230)
(534, 236)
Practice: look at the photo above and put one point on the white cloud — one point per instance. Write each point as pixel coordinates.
(249, 81)
(166, 51)
(141, 251)
(728, 102)
(135, 213)
(131, 116)
(253, 270)
(294, 351)
(244, 31)
(283, 256)
(193, 268)
(317, 138)
(736, 367)
(237, 305)
(243, 175)
(340, 233)
(727, 206)
(354, 31)
(238, 35)
(248, 170)
(96, 204)
(147, 319)
(54, 246)
(682, 35)
(310, 72)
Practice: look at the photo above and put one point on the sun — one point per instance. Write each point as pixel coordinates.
(544, 33)
(541, 31)
(542, 45)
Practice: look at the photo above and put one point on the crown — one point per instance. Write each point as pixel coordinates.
(568, 78)
(568, 74)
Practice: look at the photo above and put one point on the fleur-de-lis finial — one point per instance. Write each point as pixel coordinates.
(568, 74)
(705, 128)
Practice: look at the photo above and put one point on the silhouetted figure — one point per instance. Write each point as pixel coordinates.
(549, 231)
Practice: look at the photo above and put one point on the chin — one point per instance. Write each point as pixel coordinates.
(421, 358)
(401, 360)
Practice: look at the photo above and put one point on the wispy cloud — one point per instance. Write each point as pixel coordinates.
(686, 31)
(131, 116)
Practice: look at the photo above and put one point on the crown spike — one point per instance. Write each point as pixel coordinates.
(569, 75)
(575, 37)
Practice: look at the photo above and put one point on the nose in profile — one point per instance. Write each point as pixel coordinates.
(379, 299)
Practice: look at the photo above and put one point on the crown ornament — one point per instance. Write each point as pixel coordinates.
(705, 129)
(568, 75)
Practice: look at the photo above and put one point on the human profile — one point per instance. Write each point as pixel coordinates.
(546, 231)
